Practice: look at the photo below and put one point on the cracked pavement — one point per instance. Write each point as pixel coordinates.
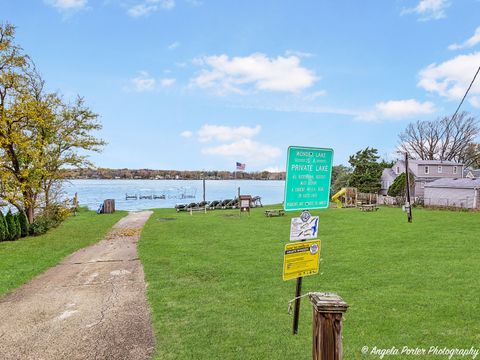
(90, 306)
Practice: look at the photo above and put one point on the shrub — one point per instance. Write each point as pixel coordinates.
(399, 184)
(22, 218)
(16, 217)
(51, 217)
(3, 228)
(13, 226)
(41, 225)
(56, 212)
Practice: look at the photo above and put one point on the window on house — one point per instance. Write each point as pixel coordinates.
(427, 170)
(398, 170)
(439, 169)
(454, 169)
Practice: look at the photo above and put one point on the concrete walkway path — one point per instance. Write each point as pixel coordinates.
(91, 306)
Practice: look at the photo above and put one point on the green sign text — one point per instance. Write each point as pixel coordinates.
(307, 182)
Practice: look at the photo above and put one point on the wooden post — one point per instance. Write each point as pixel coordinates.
(108, 206)
(328, 309)
(75, 204)
(204, 197)
(238, 197)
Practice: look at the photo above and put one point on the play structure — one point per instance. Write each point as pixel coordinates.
(346, 197)
(351, 197)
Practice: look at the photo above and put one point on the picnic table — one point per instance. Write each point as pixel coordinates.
(368, 207)
(274, 212)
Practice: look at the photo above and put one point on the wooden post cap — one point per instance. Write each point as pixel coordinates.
(328, 302)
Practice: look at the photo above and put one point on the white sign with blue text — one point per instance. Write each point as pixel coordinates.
(304, 228)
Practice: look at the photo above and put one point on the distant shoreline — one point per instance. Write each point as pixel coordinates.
(149, 174)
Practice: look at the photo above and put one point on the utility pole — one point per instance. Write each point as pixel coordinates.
(408, 205)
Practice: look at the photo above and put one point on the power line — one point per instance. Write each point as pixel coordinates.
(466, 93)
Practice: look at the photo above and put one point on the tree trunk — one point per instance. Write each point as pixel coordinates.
(29, 212)
(29, 203)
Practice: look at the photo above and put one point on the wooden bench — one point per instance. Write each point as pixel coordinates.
(274, 212)
(368, 207)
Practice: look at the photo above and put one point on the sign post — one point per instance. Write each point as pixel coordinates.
(244, 203)
(307, 186)
(408, 205)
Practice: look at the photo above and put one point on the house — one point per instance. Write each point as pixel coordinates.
(472, 174)
(461, 193)
(424, 171)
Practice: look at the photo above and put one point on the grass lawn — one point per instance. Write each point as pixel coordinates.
(25, 258)
(216, 289)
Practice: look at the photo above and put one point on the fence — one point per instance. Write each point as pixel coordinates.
(367, 198)
(390, 200)
(465, 203)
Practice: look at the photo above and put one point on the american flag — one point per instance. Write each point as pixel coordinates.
(240, 166)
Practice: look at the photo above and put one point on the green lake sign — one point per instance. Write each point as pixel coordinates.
(307, 181)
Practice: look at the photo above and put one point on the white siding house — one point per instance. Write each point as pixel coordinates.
(424, 171)
(461, 193)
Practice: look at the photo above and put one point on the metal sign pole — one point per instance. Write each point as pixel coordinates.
(296, 311)
(307, 186)
(203, 188)
(298, 294)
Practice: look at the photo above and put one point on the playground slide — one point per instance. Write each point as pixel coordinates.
(337, 195)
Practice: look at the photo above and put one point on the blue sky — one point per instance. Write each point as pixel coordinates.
(200, 84)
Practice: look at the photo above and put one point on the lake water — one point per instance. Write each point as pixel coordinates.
(91, 193)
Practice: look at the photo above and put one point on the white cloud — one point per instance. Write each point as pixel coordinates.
(470, 42)
(167, 82)
(451, 78)
(247, 150)
(240, 74)
(274, 169)
(67, 5)
(186, 134)
(149, 6)
(226, 133)
(143, 82)
(429, 9)
(315, 94)
(174, 45)
(140, 10)
(475, 101)
(397, 109)
(236, 143)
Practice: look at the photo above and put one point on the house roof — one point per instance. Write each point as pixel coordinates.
(434, 162)
(454, 183)
(389, 172)
(475, 173)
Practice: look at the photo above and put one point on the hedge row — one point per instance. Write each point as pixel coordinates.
(13, 226)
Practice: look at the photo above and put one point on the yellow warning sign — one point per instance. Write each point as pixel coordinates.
(301, 259)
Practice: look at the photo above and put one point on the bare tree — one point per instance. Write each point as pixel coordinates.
(449, 139)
